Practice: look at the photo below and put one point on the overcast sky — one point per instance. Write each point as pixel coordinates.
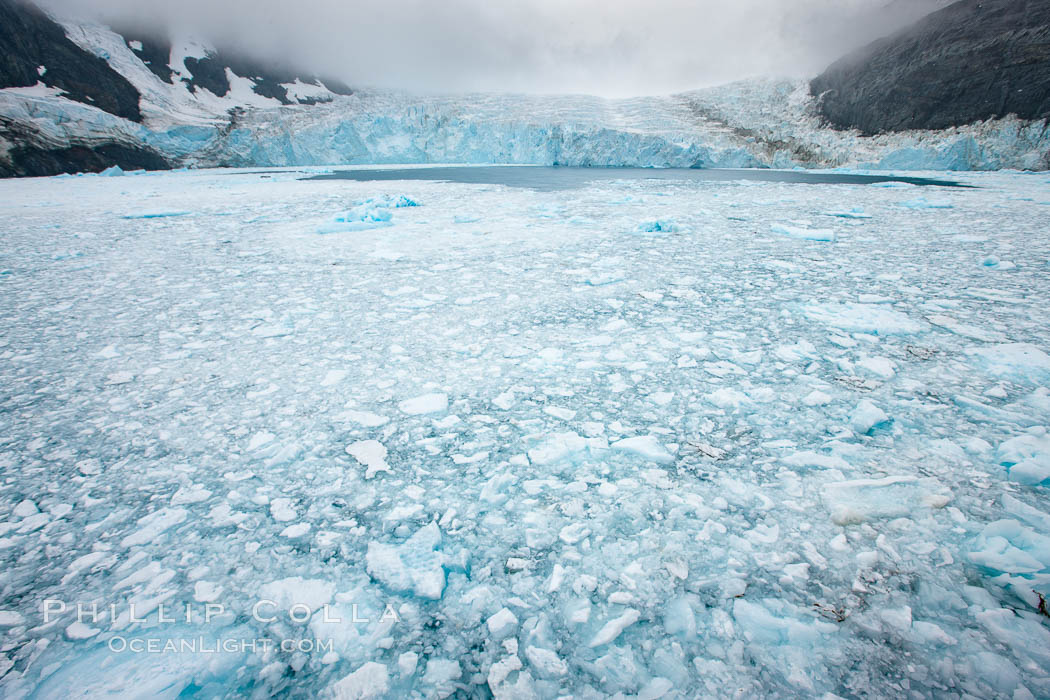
(607, 47)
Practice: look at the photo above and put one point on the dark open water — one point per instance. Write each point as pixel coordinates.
(562, 178)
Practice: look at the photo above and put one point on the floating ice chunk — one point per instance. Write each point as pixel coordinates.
(656, 227)
(561, 446)
(867, 416)
(371, 680)
(662, 398)
(260, 439)
(802, 233)
(498, 674)
(680, 619)
(407, 663)
(504, 401)
(855, 213)
(816, 398)
(502, 624)
(333, 377)
(441, 675)
(709, 451)
(923, 203)
(1032, 472)
(25, 508)
(371, 454)
(728, 398)
(857, 501)
(123, 377)
(287, 593)
(154, 525)
(646, 446)
(469, 459)
(364, 418)
(272, 331)
(761, 626)
(1025, 636)
(930, 633)
(400, 201)
(427, 403)
(368, 214)
(559, 412)
(1017, 361)
(571, 534)
(155, 214)
(295, 531)
(415, 566)
(361, 218)
(1008, 546)
(108, 352)
(112, 171)
(78, 630)
(206, 591)
(795, 572)
(515, 564)
(794, 353)
(882, 367)
(282, 510)
(1000, 674)
(992, 262)
(656, 688)
(813, 459)
(963, 329)
(897, 619)
(190, 494)
(863, 318)
(10, 618)
(545, 662)
(612, 629)
(1030, 515)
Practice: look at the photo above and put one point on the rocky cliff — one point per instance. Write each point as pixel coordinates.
(971, 61)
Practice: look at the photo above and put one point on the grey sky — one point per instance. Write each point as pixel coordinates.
(609, 47)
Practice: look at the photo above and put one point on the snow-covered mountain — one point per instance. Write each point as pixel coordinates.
(201, 107)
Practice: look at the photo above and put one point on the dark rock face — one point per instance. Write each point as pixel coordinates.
(30, 153)
(34, 48)
(973, 60)
(33, 161)
(209, 72)
(153, 52)
(29, 39)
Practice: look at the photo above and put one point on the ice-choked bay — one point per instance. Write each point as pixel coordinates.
(655, 438)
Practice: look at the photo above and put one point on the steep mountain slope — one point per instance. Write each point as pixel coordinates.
(204, 68)
(34, 50)
(973, 60)
(72, 93)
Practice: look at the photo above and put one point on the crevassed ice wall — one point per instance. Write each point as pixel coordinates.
(761, 124)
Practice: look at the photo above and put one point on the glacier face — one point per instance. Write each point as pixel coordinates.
(763, 123)
(642, 437)
(767, 124)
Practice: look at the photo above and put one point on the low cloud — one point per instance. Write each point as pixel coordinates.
(602, 47)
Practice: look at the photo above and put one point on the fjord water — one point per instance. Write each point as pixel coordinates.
(556, 178)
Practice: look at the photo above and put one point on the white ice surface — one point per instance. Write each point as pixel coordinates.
(600, 462)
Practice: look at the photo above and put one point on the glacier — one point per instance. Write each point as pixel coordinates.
(519, 443)
(768, 124)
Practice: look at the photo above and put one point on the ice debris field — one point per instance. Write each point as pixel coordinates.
(647, 438)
